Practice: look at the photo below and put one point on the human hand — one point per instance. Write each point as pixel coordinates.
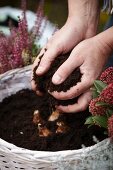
(90, 56)
(81, 24)
(61, 42)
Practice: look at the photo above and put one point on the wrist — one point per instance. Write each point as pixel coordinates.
(106, 41)
(76, 26)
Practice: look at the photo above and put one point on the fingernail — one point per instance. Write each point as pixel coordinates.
(39, 70)
(57, 79)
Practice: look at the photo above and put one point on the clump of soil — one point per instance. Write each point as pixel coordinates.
(44, 82)
(17, 127)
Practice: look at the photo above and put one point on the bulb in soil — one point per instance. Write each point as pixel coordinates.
(36, 117)
(62, 128)
(54, 116)
(43, 131)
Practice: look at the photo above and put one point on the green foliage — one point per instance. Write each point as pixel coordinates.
(102, 104)
(97, 120)
(109, 112)
(99, 86)
(35, 50)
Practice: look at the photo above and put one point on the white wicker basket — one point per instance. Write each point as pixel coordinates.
(97, 157)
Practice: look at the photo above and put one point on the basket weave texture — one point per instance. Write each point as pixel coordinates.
(97, 157)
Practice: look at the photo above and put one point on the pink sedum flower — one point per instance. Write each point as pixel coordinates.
(110, 126)
(95, 109)
(107, 94)
(107, 75)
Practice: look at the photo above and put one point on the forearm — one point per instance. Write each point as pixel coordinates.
(87, 11)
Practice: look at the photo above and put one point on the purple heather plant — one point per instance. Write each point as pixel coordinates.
(101, 106)
(19, 49)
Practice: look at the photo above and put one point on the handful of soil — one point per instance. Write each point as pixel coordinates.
(44, 82)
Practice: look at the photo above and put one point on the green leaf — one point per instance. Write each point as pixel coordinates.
(97, 120)
(35, 49)
(95, 94)
(90, 126)
(100, 121)
(99, 85)
(89, 121)
(102, 104)
(109, 112)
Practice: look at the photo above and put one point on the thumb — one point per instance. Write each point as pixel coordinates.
(66, 69)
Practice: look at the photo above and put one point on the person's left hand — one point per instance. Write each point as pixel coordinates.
(90, 55)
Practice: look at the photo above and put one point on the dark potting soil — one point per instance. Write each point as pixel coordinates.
(44, 82)
(17, 127)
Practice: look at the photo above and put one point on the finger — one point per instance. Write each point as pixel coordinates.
(33, 84)
(34, 88)
(66, 68)
(81, 105)
(43, 50)
(74, 91)
(37, 60)
(47, 59)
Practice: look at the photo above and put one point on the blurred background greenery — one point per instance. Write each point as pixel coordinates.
(56, 10)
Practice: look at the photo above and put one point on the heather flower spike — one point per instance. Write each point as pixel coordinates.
(39, 15)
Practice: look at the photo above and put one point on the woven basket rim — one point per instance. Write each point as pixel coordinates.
(13, 71)
(47, 155)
